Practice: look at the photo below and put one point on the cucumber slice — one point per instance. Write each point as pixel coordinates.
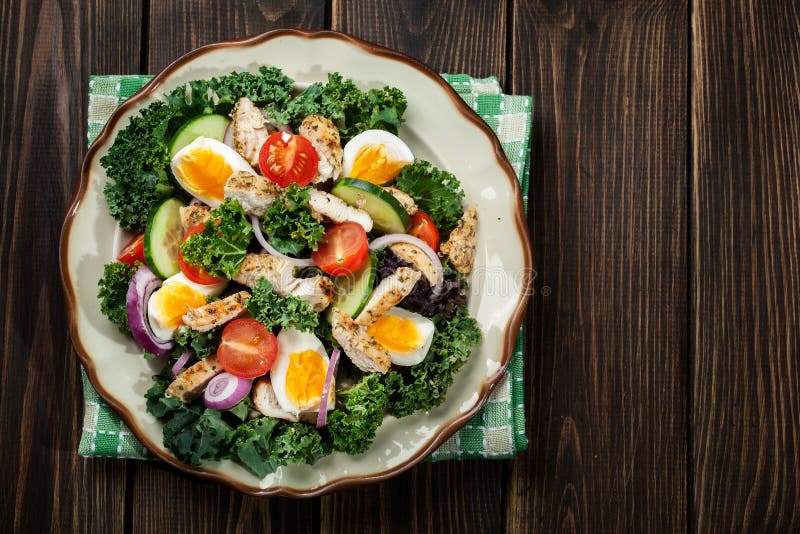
(162, 238)
(388, 215)
(212, 126)
(352, 292)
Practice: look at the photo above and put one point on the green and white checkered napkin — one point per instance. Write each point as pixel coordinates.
(498, 430)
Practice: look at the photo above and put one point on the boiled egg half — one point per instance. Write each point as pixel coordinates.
(298, 374)
(169, 303)
(405, 335)
(376, 156)
(203, 166)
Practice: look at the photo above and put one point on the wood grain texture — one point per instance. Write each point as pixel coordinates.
(176, 27)
(449, 36)
(746, 266)
(608, 355)
(48, 49)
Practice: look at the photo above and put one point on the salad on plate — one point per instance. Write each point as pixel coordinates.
(295, 271)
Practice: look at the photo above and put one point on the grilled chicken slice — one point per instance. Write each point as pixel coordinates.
(388, 294)
(337, 210)
(216, 313)
(317, 290)
(324, 136)
(414, 255)
(362, 349)
(403, 198)
(249, 130)
(194, 215)
(190, 384)
(254, 192)
(266, 402)
(460, 247)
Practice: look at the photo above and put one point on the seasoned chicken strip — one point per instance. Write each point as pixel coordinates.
(362, 349)
(216, 313)
(414, 255)
(403, 198)
(194, 215)
(249, 130)
(266, 402)
(337, 210)
(460, 247)
(324, 135)
(254, 192)
(388, 294)
(317, 290)
(190, 384)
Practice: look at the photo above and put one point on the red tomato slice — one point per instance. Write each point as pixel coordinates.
(133, 251)
(247, 348)
(285, 158)
(197, 275)
(343, 250)
(422, 226)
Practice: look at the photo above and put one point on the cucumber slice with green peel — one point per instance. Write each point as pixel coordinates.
(353, 291)
(162, 238)
(388, 215)
(212, 126)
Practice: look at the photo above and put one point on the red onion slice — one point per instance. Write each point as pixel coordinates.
(142, 285)
(322, 415)
(181, 363)
(228, 137)
(299, 262)
(226, 391)
(390, 239)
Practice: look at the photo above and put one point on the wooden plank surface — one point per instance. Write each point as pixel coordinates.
(746, 266)
(608, 368)
(48, 51)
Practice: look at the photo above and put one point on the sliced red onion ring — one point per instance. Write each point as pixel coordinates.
(143, 283)
(299, 262)
(228, 137)
(226, 391)
(181, 363)
(322, 415)
(390, 239)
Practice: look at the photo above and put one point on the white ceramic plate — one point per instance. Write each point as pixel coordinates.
(440, 128)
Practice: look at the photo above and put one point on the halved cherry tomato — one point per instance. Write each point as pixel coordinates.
(422, 226)
(247, 349)
(285, 158)
(343, 250)
(196, 274)
(133, 251)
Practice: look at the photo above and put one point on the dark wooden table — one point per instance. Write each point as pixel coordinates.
(663, 379)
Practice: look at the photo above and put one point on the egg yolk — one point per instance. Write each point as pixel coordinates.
(396, 334)
(204, 172)
(305, 378)
(173, 300)
(373, 164)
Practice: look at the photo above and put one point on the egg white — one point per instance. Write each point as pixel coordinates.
(426, 329)
(291, 341)
(156, 317)
(236, 162)
(395, 147)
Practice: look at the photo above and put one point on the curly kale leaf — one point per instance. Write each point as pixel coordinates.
(203, 344)
(270, 89)
(272, 310)
(427, 382)
(221, 246)
(290, 223)
(266, 443)
(353, 110)
(353, 425)
(435, 191)
(136, 165)
(113, 293)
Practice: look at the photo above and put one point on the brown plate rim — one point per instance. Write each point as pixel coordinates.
(451, 426)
